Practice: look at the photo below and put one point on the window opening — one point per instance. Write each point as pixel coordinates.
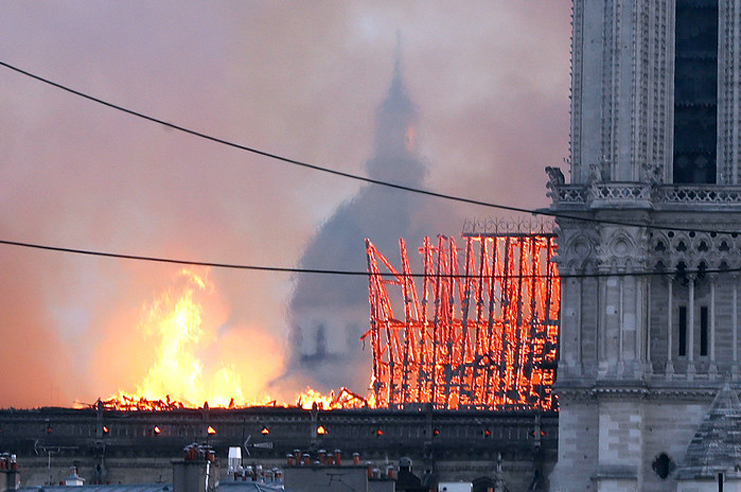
(704, 330)
(695, 91)
(682, 331)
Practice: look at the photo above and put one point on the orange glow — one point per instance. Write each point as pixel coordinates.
(210, 431)
(178, 326)
(410, 139)
(480, 333)
(344, 399)
(478, 330)
(321, 430)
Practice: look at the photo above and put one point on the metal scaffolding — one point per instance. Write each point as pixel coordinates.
(482, 331)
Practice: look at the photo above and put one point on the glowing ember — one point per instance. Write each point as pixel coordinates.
(482, 332)
(345, 399)
(307, 400)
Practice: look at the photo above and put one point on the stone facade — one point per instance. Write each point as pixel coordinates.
(648, 248)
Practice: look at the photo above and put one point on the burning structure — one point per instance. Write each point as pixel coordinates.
(479, 329)
(480, 334)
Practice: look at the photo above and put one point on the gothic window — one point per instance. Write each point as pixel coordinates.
(704, 330)
(696, 91)
(682, 351)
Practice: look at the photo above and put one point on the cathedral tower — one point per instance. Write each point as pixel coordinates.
(329, 314)
(647, 242)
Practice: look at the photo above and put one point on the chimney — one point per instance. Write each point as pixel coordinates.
(196, 472)
(9, 477)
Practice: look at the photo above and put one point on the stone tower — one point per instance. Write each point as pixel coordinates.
(649, 316)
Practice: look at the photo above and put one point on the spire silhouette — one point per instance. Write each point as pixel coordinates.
(395, 158)
(329, 314)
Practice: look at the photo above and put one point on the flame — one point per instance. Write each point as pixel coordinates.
(179, 378)
(344, 399)
(178, 371)
(488, 340)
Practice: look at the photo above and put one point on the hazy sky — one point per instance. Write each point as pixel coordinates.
(298, 78)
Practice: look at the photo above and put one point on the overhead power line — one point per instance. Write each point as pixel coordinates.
(259, 152)
(156, 259)
(356, 177)
(356, 273)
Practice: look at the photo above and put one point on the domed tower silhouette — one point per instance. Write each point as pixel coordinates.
(329, 313)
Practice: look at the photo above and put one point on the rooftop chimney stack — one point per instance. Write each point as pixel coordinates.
(9, 468)
(197, 471)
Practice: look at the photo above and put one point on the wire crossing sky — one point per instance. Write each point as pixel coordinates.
(323, 169)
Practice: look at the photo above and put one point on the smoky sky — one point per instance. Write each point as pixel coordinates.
(302, 79)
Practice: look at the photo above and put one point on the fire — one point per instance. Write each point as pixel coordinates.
(344, 399)
(177, 324)
(480, 333)
(179, 378)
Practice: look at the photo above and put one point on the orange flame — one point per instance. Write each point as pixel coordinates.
(487, 340)
(178, 371)
(178, 378)
(484, 339)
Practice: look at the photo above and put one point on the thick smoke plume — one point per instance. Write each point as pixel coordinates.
(490, 87)
(328, 315)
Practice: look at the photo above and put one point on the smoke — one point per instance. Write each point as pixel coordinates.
(300, 79)
(328, 315)
(48, 357)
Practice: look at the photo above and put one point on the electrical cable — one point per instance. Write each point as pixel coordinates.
(355, 273)
(337, 173)
(356, 177)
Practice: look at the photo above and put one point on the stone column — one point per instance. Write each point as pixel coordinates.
(621, 322)
(734, 327)
(578, 315)
(645, 317)
(602, 363)
(691, 329)
(713, 369)
(570, 352)
(670, 328)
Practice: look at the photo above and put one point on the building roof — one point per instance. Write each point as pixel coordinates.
(237, 486)
(158, 487)
(224, 486)
(716, 445)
